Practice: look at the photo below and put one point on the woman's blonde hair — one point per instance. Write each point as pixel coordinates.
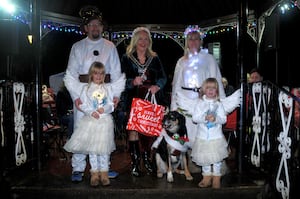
(96, 67)
(186, 47)
(131, 48)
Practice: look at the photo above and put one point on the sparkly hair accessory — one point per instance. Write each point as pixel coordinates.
(89, 13)
(139, 29)
(193, 28)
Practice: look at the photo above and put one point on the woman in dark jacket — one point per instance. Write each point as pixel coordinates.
(144, 71)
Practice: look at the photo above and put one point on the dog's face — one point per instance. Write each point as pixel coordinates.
(174, 122)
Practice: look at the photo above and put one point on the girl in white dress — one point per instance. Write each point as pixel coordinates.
(210, 146)
(94, 133)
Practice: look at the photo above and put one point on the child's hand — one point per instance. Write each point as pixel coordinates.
(210, 118)
(100, 110)
(95, 115)
(78, 103)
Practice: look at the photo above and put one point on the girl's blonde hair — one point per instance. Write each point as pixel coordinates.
(210, 80)
(96, 67)
(131, 48)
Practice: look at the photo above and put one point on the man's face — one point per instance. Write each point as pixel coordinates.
(94, 29)
(255, 77)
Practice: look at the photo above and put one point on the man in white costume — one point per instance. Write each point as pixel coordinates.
(83, 54)
(191, 70)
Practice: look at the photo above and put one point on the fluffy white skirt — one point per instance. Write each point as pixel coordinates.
(93, 136)
(207, 152)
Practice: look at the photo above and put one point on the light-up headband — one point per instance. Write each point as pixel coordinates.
(193, 28)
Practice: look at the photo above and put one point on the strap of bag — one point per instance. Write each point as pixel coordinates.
(153, 98)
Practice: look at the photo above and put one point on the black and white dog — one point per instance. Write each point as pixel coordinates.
(171, 147)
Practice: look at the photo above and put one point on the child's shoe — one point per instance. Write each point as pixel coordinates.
(112, 174)
(216, 182)
(95, 178)
(77, 176)
(205, 182)
(104, 178)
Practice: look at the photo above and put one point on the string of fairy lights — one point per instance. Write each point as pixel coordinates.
(50, 26)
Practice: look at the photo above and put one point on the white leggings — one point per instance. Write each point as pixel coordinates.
(213, 169)
(97, 162)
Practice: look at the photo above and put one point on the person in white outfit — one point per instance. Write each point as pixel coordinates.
(191, 70)
(94, 133)
(210, 145)
(83, 53)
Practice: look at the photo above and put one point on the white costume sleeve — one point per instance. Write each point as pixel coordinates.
(73, 85)
(221, 116)
(86, 106)
(71, 79)
(176, 85)
(200, 111)
(109, 106)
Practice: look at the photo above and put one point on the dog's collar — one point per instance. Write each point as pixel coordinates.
(181, 140)
(174, 143)
(177, 137)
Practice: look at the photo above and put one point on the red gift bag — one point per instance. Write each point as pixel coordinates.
(146, 116)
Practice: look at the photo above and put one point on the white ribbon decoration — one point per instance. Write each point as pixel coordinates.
(265, 147)
(256, 124)
(20, 150)
(284, 145)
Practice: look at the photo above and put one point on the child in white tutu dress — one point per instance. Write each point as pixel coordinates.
(210, 146)
(94, 133)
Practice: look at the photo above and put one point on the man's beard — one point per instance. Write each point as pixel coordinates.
(95, 36)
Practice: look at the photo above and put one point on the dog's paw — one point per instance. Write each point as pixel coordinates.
(170, 177)
(189, 178)
(188, 175)
(159, 174)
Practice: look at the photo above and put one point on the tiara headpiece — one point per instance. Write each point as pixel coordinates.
(139, 29)
(89, 13)
(193, 28)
